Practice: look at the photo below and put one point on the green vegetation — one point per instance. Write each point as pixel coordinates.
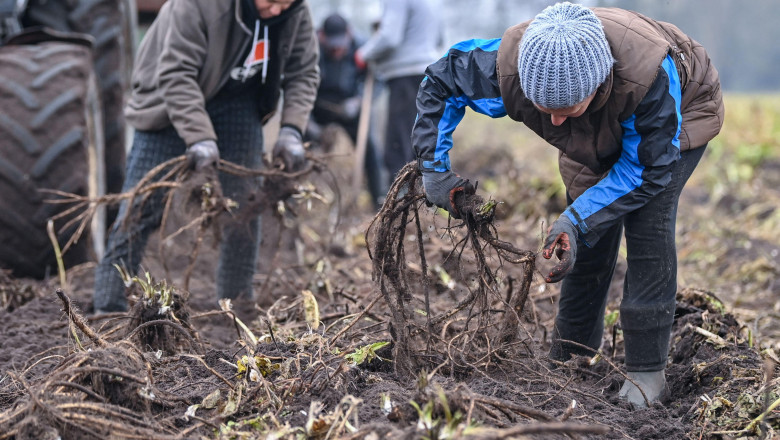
(750, 137)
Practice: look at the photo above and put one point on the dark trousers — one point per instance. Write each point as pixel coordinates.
(372, 163)
(648, 304)
(401, 114)
(240, 140)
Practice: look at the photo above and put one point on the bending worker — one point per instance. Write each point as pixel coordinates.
(207, 75)
(631, 104)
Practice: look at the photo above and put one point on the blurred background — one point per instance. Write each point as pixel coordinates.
(740, 35)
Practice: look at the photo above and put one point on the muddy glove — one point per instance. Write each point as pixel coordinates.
(561, 239)
(202, 154)
(289, 148)
(441, 188)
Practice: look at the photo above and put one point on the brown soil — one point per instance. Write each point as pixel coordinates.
(307, 376)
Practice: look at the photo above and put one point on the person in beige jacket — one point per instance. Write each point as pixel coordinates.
(207, 75)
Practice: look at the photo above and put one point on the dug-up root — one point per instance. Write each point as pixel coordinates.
(107, 391)
(160, 318)
(483, 323)
(202, 193)
(90, 396)
(106, 387)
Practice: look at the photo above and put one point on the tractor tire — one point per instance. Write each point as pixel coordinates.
(50, 138)
(112, 24)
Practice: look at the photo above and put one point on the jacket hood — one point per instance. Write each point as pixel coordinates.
(249, 13)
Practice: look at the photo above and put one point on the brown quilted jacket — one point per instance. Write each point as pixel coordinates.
(591, 144)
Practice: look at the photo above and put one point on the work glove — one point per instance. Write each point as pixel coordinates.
(313, 130)
(442, 187)
(561, 239)
(350, 108)
(360, 63)
(289, 148)
(202, 154)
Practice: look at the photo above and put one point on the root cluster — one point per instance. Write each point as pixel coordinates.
(197, 193)
(106, 391)
(477, 327)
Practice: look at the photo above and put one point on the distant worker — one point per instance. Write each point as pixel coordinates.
(207, 75)
(407, 40)
(631, 104)
(340, 97)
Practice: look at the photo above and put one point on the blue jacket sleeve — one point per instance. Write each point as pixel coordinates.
(465, 77)
(651, 146)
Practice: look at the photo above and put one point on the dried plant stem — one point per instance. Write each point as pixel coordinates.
(541, 428)
(355, 319)
(211, 370)
(57, 254)
(79, 320)
(515, 407)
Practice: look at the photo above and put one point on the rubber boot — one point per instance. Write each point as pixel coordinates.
(652, 383)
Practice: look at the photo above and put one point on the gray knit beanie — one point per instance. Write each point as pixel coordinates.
(564, 56)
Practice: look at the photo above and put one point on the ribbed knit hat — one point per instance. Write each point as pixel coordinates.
(564, 56)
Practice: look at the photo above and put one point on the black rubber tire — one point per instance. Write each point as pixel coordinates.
(111, 23)
(49, 124)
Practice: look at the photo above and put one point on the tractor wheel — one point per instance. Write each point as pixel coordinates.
(112, 24)
(50, 138)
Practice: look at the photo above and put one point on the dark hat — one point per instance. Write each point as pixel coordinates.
(335, 30)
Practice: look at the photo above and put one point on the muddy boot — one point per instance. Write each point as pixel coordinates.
(652, 383)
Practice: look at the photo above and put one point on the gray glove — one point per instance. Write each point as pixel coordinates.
(562, 239)
(351, 107)
(441, 188)
(289, 148)
(313, 130)
(202, 154)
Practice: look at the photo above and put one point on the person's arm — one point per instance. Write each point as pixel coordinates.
(390, 33)
(181, 59)
(361, 70)
(301, 76)
(465, 77)
(651, 146)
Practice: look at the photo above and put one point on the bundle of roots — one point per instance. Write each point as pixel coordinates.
(200, 190)
(106, 391)
(477, 329)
